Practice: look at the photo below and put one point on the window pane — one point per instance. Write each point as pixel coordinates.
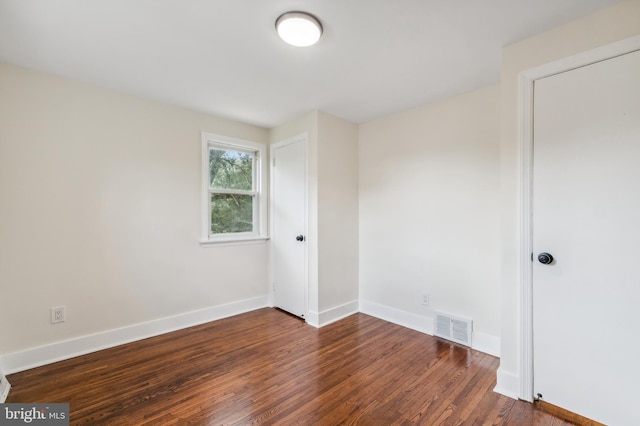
(230, 169)
(231, 213)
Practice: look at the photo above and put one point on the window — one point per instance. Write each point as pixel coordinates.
(233, 203)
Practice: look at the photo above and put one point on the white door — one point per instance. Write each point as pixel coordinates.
(586, 214)
(288, 233)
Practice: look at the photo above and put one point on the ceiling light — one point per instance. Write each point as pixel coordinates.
(299, 29)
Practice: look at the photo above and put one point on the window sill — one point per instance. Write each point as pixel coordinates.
(220, 242)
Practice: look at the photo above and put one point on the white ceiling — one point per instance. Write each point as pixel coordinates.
(224, 57)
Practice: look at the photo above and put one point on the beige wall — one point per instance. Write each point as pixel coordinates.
(429, 212)
(333, 211)
(604, 27)
(99, 205)
(100, 212)
(337, 212)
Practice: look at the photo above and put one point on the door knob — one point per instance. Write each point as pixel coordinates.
(300, 238)
(545, 258)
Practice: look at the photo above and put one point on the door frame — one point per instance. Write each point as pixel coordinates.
(526, 83)
(304, 138)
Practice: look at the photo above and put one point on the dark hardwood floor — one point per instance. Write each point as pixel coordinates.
(267, 367)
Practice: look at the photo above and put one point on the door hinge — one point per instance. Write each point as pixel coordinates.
(274, 161)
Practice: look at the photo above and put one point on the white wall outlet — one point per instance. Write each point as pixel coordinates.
(57, 315)
(425, 299)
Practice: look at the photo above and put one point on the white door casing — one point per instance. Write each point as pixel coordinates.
(289, 225)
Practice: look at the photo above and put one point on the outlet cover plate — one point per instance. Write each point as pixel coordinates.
(57, 314)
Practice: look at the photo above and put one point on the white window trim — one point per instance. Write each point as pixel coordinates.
(260, 207)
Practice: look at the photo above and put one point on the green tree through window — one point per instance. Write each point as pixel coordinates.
(232, 190)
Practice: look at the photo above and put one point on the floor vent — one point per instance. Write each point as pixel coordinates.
(454, 328)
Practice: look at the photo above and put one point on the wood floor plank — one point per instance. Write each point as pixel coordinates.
(268, 368)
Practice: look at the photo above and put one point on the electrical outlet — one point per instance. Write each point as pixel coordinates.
(425, 299)
(57, 315)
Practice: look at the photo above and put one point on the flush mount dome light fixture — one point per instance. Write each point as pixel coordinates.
(299, 28)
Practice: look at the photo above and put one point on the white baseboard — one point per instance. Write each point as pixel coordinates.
(396, 316)
(486, 343)
(4, 388)
(313, 318)
(320, 319)
(480, 341)
(47, 354)
(507, 384)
